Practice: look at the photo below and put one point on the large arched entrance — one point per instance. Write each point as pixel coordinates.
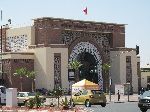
(90, 57)
(88, 70)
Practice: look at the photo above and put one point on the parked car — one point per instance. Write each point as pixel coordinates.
(23, 97)
(88, 97)
(2, 95)
(144, 101)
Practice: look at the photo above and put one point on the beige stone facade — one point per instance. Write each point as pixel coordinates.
(145, 76)
(124, 67)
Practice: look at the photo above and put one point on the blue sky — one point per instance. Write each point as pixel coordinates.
(134, 13)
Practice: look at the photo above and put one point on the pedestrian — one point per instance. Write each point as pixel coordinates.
(142, 91)
(118, 95)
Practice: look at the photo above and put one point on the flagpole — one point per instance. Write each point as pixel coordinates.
(1, 15)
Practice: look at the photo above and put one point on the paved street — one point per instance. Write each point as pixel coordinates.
(116, 107)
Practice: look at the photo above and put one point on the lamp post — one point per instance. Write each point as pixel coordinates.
(128, 85)
(71, 77)
(1, 40)
(1, 58)
(110, 82)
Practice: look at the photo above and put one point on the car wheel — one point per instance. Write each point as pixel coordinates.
(87, 103)
(103, 104)
(143, 109)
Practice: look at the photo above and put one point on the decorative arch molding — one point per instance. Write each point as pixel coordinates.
(102, 41)
(90, 48)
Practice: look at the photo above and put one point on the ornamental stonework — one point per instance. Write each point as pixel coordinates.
(17, 43)
(103, 39)
(57, 71)
(57, 23)
(50, 31)
(89, 48)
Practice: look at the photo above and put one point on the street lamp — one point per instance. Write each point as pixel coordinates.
(128, 86)
(71, 78)
(110, 83)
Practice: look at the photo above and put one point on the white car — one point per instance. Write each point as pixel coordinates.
(23, 97)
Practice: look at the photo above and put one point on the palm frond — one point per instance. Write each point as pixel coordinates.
(75, 64)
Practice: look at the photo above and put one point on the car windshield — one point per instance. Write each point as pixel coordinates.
(146, 94)
(32, 94)
(96, 92)
(22, 94)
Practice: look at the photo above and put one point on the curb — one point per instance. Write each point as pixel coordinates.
(119, 102)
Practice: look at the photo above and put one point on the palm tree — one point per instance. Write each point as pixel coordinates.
(106, 68)
(20, 72)
(31, 75)
(75, 65)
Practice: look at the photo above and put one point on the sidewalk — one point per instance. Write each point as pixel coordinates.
(123, 98)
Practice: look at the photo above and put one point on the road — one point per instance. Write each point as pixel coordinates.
(115, 107)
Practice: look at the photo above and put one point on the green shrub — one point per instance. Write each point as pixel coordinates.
(37, 101)
(30, 103)
(34, 102)
(65, 103)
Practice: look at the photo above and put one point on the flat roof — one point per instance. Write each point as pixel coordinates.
(62, 19)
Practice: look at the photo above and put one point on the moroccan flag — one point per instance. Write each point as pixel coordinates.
(85, 11)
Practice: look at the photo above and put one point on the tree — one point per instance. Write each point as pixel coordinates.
(58, 92)
(20, 72)
(75, 65)
(106, 68)
(31, 75)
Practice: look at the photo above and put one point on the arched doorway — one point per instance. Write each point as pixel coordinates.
(88, 70)
(82, 52)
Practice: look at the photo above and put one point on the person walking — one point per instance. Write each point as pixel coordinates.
(118, 95)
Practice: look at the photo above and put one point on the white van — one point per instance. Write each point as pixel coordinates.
(2, 95)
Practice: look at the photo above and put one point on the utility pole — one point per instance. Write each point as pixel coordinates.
(1, 68)
(110, 83)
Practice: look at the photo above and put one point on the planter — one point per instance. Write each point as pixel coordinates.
(65, 107)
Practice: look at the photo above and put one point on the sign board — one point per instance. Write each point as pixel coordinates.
(71, 74)
(119, 87)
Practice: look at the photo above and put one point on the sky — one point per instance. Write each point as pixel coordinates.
(134, 13)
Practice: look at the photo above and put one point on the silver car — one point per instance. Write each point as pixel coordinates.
(144, 101)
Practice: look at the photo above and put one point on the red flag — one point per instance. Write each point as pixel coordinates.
(85, 11)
